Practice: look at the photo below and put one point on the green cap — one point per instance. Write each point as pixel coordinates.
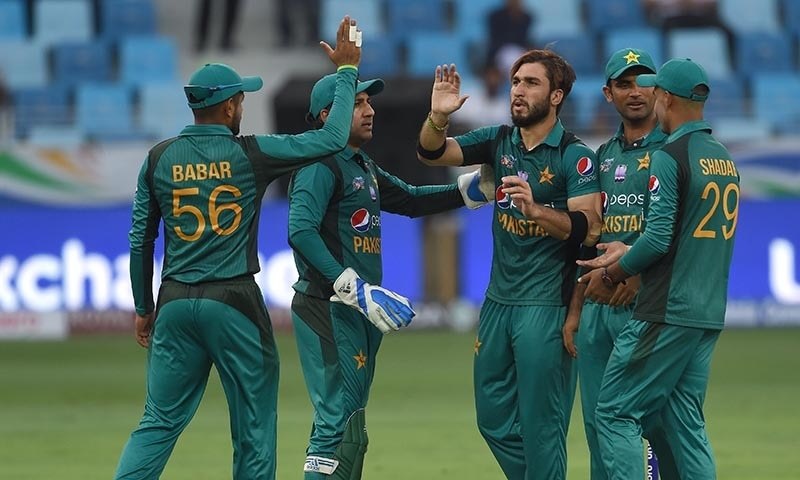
(216, 82)
(678, 76)
(621, 60)
(325, 88)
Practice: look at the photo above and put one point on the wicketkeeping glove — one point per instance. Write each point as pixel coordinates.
(477, 188)
(385, 309)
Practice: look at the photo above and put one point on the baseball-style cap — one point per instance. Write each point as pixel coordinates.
(678, 76)
(325, 88)
(622, 60)
(216, 82)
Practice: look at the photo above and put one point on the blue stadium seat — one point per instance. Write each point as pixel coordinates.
(740, 130)
(615, 14)
(104, 111)
(706, 46)
(647, 39)
(23, 64)
(776, 98)
(163, 111)
(62, 20)
(556, 17)
(579, 50)
(12, 20)
(727, 99)
(763, 52)
(749, 15)
(55, 136)
(472, 19)
(427, 50)
(407, 17)
(583, 103)
(147, 59)
(791, 15)
(367, 12)
(381, 58)
(40, 106)
(74, 63)
(121, 18)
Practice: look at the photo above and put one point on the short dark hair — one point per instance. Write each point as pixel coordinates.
(559, 72)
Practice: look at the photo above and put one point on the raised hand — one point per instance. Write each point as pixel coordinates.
(446, 93)
(347, 52)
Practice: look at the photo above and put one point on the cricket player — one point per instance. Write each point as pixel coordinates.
(624, 171)
(340, 312)
(660, 362)
(547, 203)
(206, 186)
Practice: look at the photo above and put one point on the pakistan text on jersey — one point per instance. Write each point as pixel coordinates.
(622, 223)
(520, 226)
(367, 245)
(201, 171)
(716, 166)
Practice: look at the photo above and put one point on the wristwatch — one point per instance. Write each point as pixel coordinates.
(608, 280)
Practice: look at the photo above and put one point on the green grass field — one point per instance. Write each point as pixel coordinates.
(67, 408)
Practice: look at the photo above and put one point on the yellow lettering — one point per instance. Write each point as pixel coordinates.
(704, 166)
(177, 173)
(190, 173)
(357, 243)
(225, 169)
(213, 171)
(202, 171)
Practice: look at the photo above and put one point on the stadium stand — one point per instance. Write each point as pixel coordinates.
(50, 50)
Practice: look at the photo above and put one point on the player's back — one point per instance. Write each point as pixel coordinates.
(210, 197)
(695, 270)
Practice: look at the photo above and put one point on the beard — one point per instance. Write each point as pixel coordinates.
(537, 113)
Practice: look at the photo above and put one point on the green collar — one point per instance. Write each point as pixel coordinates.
(348, 154)
(553, 139)
(655, 135)
(689, 127)
(206, 129)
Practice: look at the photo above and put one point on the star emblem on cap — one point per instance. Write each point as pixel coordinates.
(631, 57)
(478, 344)
(545, 176)
(644, 163)
(361, 360)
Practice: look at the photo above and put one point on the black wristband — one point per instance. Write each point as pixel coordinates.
(579, 228)
(431, 154)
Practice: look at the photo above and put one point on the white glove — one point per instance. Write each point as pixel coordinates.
(477, 187)
(385, 309)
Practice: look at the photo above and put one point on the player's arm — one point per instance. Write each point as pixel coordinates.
(580, 224)
(435, 147)
(283, 153)
(310, 193)
(146, 217)
(659, 230)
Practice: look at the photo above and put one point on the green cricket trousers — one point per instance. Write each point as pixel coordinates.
(222, 323)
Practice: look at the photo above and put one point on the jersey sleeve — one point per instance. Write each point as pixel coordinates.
(412, 201)
(311, 191)
(141, 238)
(476, 145)
(660, 221)
(580, 165)
(288, 152)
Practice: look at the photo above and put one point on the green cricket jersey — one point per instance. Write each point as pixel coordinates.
(530, 267)
(624, 175)
(206, 185)
(685, 252)
(335, 217)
